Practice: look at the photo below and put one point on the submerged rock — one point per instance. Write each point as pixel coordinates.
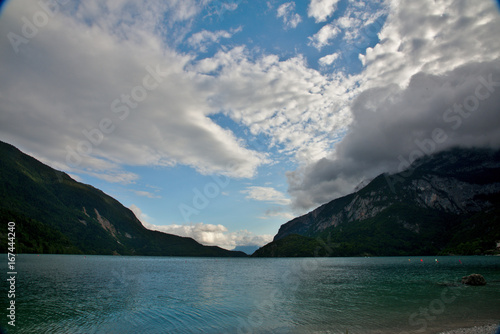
(474, 279)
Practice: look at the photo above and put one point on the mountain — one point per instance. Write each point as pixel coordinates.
(447, 203)
(246, 249)
(55, 214)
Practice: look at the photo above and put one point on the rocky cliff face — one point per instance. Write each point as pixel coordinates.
(56, 214)
(444, 192)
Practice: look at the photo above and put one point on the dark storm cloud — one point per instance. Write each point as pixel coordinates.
(393, 126)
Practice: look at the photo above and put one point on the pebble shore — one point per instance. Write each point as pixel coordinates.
(489, 329)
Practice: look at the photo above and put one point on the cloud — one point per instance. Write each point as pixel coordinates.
(214, 235)
(220, 7)
(101, 120)
(324, 36)
(295, 106)
(206, 234)
(114, 113)
(433, 61)
(287, 12)
(320, 10)
(143, 218)
(201, 40)
(393, 126)
(146, 194)
(353, 32)
(360, 27)
(266, 194)
(328, 59)
(277, 212)
(446, 35)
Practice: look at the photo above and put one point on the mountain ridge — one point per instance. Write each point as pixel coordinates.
(430, 205)
(56, 214)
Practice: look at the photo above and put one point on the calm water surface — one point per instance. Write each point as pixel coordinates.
(107, 294)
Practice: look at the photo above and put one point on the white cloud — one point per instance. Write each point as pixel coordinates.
(266, 194)
(206, 234)
(214, 235)
(324, 36)
(430, 58)
(295, 106)
(220, 8)
(47, 100)
(143, 218)
(146, 194)
(360, 26)
(431, 37)
(277, 212)
(201, 40)
(50, 106)
(287, 12)
(328, 59)
(320, 10)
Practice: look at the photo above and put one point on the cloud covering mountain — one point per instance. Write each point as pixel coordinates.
(425, 88)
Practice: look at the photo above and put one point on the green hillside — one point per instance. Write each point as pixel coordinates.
(56, 214)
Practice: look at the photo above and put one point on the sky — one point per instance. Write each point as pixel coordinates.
(223, 119)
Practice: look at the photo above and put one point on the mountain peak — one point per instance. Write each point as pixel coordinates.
(56, 214)
(425, 209)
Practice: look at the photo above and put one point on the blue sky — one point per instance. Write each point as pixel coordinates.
(223, 119)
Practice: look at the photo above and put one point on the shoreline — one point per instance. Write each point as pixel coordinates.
(485, 329)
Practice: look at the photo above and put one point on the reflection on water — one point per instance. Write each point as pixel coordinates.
(105, 294)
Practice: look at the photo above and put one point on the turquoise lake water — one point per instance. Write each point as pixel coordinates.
(113, 294)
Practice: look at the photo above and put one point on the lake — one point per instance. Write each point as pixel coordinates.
(114, 294)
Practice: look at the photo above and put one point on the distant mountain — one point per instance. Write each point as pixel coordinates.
(246, 249)
(55, 214)
(447, 203)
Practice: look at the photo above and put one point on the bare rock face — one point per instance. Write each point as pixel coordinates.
(446, 185)
(474, 279)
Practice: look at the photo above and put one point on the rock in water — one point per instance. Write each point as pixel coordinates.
(474, 279)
